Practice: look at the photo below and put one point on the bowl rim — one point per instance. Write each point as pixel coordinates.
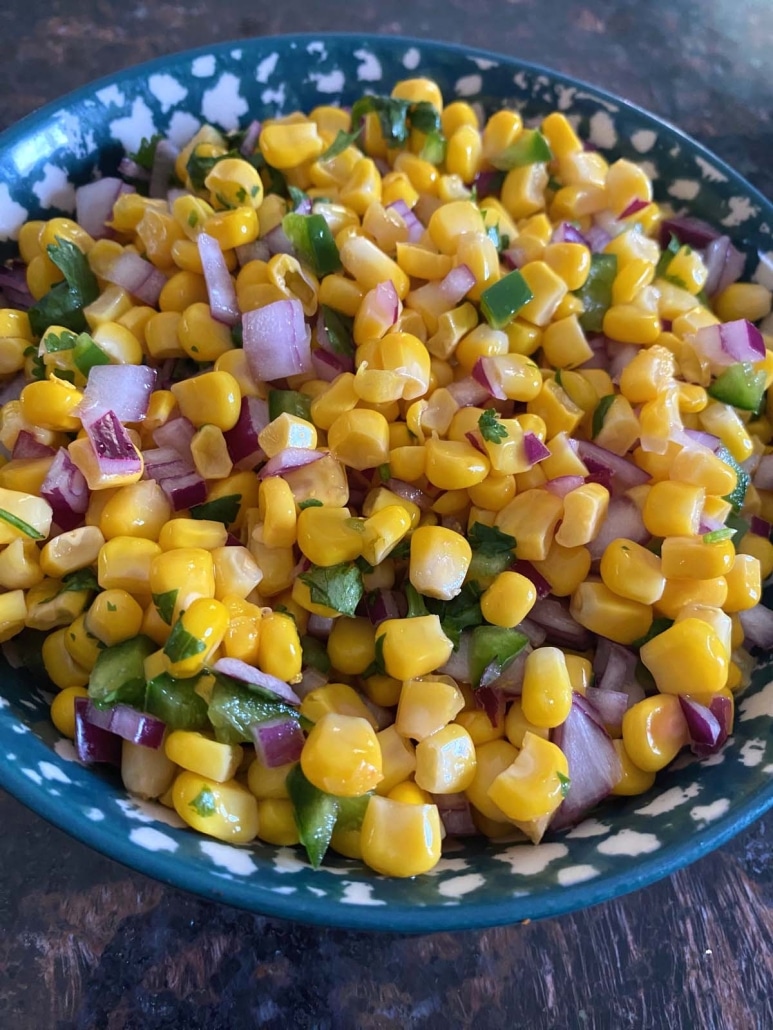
(398, 916)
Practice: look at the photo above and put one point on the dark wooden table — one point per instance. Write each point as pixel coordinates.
(86, 944)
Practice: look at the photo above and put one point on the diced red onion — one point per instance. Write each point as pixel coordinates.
(509, 683)
(289, 458)
(412, 223)
(473, 437)
(311, 679)
(409, 492)
(697, 436)
(27, 447)
(610, 704)
(386, 604)
(278, 242)
(636, 205)
(489, 698)
(277, 741)
(597, 238)
(164, 157)
(128, 724)
(620, 355)
(185, 490)
(248, 674)
(220, 285)
(623, 522)
(763, 477)
(537, 634)
(66, 491)
(328, 365)
(277, 341)
(123, 389)
(758, 526)
(468, 392)
(319, 626)
(454, 286)
(176, 433)
(624, 473)
(131, 170)
(13, 283)
(456, 814)
(729, 342)
(562, 485)
(757, 625)
(258, 250)
(598, 344)
(250, 140)
(689, 230)
(94, 204)
(565, 232)
(562, 629)
(137, 276)
(458, 665)
(114, 450)
(515, 256)
(165, 463)
(242, 440)
(535, 449)
(703, 726)
(92, 743)
(594, 766)
(487, 183)
(613, 665)
(724, 265)
(486, 372)
(525, 568)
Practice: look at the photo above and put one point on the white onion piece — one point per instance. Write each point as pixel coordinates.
(277, 341)
(220, 285)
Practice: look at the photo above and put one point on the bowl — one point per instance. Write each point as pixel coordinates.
(694, 806)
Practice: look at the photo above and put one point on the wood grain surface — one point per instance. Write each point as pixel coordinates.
(88, 945)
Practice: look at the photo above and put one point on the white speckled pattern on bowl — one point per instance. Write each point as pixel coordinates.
(693, 808)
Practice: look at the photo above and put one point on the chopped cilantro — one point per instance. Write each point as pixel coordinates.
(204, 803)
(600, 413)
(310, 502)
(182, 644)
(315, 814)
(337, 586)
(339, 329)
(146, 153)
(459, 614)
(20, 525)
(222, 509)
(490, 541)
(385, 472)
(340, 144)
(64, 303)
(491, 429)
(565, 782)
(377, 667)
(165, 603)
(416, 605)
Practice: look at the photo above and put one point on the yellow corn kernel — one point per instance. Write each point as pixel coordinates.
(338, 698)
(285, 145)
(360, 438)
(161, 335)
(585, 509)
(277, 508)
(236, 572)
(479, 726)
(673, 509)
(533, 786)
(328, 536)
(62, 669)
(742, 300)
(548, 290)
(531, 517)
(556, 409)
(227, 811)
(608, 614)
(523, 191)
(517, 725)
(84, 647)
(564, 343)
(464, 152)
(413, 647)
(206, 621)
(276, 822)
(700, 467)
(50, 404)
(564, 568)
(630, 570)
(63, 710)
(243, 633)
(678, 593)
(426, 705)
(626, 182)
(400, 839)
(508, 600)
(362, 188)
(492, 759)
(493, 493)
(454, 465)
(181, 576)
(695, 558)
(631, 323)
(547, 689)
(398, 757)
(125, 563)
(210, 397)
(181, 290)
(687, 657)
(279, 647)
(198, 533)
(201, 336)
(634, 780)
(20, 565)
(342, 755)
(268, 783)
(439, 561)
(383, 531)
(276, 564)
(140, 509)
(750, 544)
(70, 551)
(744, 588)
(409, 793)
(351, 645)
(114, 616)
(445, 761)
(369, 266)
(654, 732)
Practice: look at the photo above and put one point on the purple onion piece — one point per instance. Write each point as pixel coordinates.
(277, 741)
(249, 675)
(92, 743)
(129, 724)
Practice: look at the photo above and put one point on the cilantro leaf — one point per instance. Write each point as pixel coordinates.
(315, 654)
(392, 114)
(204, 803)
(38, 370)
(64, 303)
(600, 413)
(55, 342)
(337, 586)
(20, 525)
(667, 257)
(491, 429)
(342, 141)
(165, 603)
(81, 579)
(222, 509)
(459, 614)
(416, 605)
(565, 782)
(310, 502)
(297, 196)
(146, 154)
(490, 541)
(377, 667)
(182, 644)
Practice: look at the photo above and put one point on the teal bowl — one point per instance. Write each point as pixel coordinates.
(625, 844)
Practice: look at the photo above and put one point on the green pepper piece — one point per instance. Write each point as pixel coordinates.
(313, 241)
(235, 707)
(530, 148)
(741, 385)
(596, 291)
(176, 703)
(737, 496)
(119, 673)
(491, 651)
(502, 301)
(315, 814)
(86, 354)
(290, 401)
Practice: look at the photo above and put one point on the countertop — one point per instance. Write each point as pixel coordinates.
(87, 944)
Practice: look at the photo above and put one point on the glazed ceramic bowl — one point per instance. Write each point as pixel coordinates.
(694, 807)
